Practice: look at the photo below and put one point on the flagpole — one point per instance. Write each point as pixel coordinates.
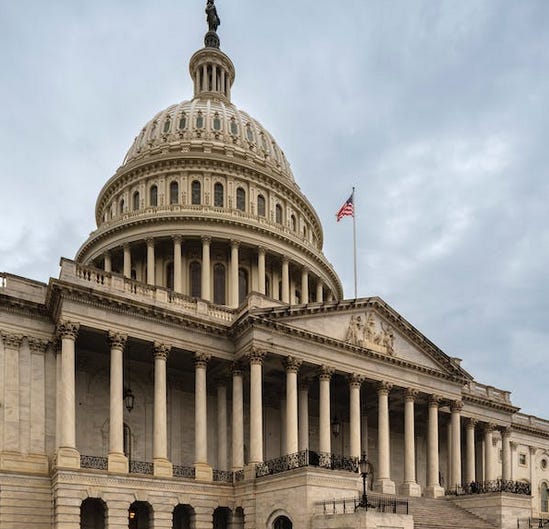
(354, 238)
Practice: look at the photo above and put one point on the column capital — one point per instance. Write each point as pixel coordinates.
(161, 351)
(235, 243)
(117, 340)
(411, 394)
(513, 445)
(285, 259)
(292, 364)
(177, 238)
(489, 427)
(201, 360)
(13, 341)
(126, 246)
(434, 401)
(505, 432)
(325, 372)
(305, 270)
(384, 387)
(236, 369)
(37, 345)
(256, 356)
(261, 250)
(67, 329)
(471, 423)
(456, 406)
(304, 384)
(206, 239)
(355, 380)
(149, 241)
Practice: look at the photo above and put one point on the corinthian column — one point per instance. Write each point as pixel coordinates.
(384, 483)
(238, 419)
(324, 445)
(285, 280)
(38, 350)
(410, 486)
(261, 269)
(303, 416)
(506, 454)
(355, 381)
(118, 462)
(456, 408)
(304, 286)
(150, 262)
(256, 358)
(67, 455)
(489, 474)
(470, 474)
(434, 490)
(222, 425)
(233, 290)
(177, 282)
(162, 467)
(203, 470)
(292, 366)
(206, 242)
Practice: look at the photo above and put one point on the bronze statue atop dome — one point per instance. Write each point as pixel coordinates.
(211, 16)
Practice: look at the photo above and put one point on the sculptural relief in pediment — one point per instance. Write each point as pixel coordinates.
(365, 330)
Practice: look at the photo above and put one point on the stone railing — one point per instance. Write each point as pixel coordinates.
(486, 487)
(530, 523)
(488, 392)
(113, 283)
(530, 421)
(375, 502)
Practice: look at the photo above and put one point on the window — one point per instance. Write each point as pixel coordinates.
(282, 522)
(195, 275)
(249, 133)
(278, 214)
(174, 193)
(216, 123)
(219, 284)
(218, 195)
(170, 276)
(267, 286)
(294, 223)
(241, 199)
(522, 460)
(195, 192)
(182, 122)
(234, 127)
(153, 196)
(136, 201)
(543, 498)
(167, 125)
(242, 285)
(261, 205)
(121, 206)
(199, 121)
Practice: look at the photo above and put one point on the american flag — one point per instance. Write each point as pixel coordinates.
(347, 210)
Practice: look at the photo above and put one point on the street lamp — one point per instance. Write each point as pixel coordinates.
(363, 465)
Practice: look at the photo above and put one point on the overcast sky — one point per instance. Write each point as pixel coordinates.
(437, 111)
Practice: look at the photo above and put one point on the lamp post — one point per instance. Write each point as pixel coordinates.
(363, 465)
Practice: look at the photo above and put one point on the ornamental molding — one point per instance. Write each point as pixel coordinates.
(117, 340)
(67, 330)
(365, 331)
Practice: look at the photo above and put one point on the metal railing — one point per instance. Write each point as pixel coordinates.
(224, 476)
(141, 467)
(376, 502)
(484, 487)
(94, 462)
(530, 523)
(180, 471)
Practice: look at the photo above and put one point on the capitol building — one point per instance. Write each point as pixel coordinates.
(195, 366)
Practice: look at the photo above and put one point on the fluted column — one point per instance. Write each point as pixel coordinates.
(238, 419)
(234, 274)
(324, 445)
(355, 381)
(285, 280)
(384, 483)
(256, 358)
(319, 291)
(206, 280)
(489, 474)
(67, 455)
(162, 467)
(127, 261)
(222, 463)
(150, 262)
(107, 262)
(304, 286)
(455, 409)
(203, 470)
(261, 270)
(292, 366)
(10, 392)
(303, 416)
(177, 280)
(410, 486)
(434, 490)
(506, 454)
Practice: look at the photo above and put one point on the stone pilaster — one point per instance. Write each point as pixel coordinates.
(11, 390)
(38, 350)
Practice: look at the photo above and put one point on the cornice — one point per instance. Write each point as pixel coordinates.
(487, 403)
(23, 307)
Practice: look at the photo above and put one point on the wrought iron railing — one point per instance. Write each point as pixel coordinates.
(238, 476)
(225, 476)
(376, 502)
(95, 462)
(484, 487)
(180, 471)
(141, 467)
(530, 523)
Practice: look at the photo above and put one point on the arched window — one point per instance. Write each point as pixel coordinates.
(282, 522)
(234, 127)
(242, 284)
(543, 498)
(182, 516)
(182, 121)
(241, 199)
(121, 206)
(217, 123)
(261, 205)
(221, 518)
(278, 214)
(139, 515)
(136, 201)
(196, 193)
(195, 276)
(218, 195)
(199, 121)
(174, 192)
(153, 196)
(93, 513)
(167, 125)
(219, 284)
(293, 222)
(169, 275)
(249, 133)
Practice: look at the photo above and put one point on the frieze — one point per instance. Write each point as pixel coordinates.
(364, 331)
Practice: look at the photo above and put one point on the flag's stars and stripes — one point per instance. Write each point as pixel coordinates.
(347, 210)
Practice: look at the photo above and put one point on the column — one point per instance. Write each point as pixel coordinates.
(292, 366)
(383, 483)
(470, 475)
(11, 392)
(261, 270)
(506, 454)
(233, 286)
(355, 381)
(118, 462)
(303, 416)
(489, 474)
(205, 86)
(127, 261)
(513, 458)
(434, 490)
(324, 444)
(203, 470)
(162, 466)
(223, 86)
(222, 463)
(256, 358)
(38, 350)
(319, 292)
(238, 419)
(410, 486)
(150, 262)
(304, 286)
(108, 262)
(206, 268)
(275, 287)
(456, 408)
(285, 280)
(67, 455)
(177, 277)
(449, 479)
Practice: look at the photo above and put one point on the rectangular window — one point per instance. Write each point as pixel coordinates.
(522, 460)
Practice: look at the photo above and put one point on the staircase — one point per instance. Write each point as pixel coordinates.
(443, 514)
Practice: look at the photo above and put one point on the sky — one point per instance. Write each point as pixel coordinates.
(436, 111)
